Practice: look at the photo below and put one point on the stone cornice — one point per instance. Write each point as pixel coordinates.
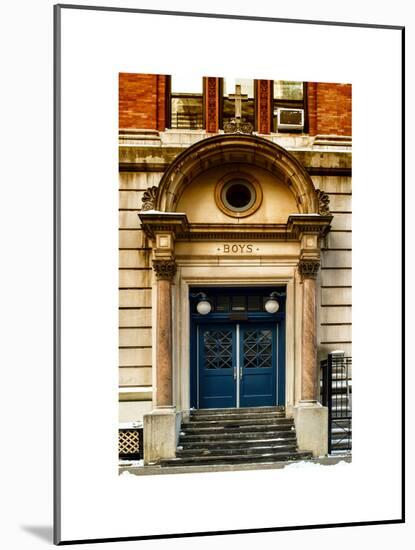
(299, 224)
(328, 171)
(291, 231)
(153, 222)
(156, 222)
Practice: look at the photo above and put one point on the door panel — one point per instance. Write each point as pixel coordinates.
(217, 366)
(237, 365)
(258, 354)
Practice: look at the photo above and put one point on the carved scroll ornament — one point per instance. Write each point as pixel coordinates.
(149, 198)
(323, 203)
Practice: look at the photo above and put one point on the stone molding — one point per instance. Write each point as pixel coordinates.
(308, 268)
(317, 224)
(165, 269)
(223, 148)
(236, 126)
(153, 222)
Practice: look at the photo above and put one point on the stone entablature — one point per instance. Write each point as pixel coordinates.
(184, 138)
(158, 159)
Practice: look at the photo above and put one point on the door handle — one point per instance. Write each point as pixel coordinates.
(240, 373)
(234, 373)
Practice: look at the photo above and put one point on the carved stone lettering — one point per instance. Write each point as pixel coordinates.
(237, 248)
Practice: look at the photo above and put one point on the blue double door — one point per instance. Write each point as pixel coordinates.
(239, 365)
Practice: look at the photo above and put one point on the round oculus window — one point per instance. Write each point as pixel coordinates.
(238, 195)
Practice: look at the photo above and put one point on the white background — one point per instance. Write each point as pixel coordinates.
(27, 267)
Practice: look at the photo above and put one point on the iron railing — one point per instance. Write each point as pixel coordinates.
(336, 395)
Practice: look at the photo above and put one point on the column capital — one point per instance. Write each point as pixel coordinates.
(165, 269)
(308, 268)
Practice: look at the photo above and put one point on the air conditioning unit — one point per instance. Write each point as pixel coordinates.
(289, 119)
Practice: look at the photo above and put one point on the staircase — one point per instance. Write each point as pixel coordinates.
(236, 436)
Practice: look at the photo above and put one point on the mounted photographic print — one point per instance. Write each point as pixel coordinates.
(206, 264)
(235, 206)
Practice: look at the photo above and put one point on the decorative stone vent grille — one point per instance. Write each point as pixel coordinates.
(130, 443)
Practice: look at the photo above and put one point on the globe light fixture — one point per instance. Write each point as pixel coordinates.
(271, 305)
(203, 307)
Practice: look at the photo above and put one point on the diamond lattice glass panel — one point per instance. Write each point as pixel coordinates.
(257, 348)
(218, 349)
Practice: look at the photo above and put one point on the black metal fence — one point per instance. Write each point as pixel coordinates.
(336, 394)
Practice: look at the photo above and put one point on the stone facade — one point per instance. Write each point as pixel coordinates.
(159, 259)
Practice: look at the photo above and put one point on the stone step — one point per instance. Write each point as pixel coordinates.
(237, 459)
(236, 422)
(236, 436)
(290, 439)
(201, 412)
(241, 450)
(233, 417)
(230, 429)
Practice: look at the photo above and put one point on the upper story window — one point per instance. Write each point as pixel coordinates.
(288, 105)
(186, 102)
(238, 87)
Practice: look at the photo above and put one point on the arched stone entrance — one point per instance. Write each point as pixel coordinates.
(234, 211)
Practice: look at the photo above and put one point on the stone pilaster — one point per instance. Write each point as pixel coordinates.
(310, 417)
(165, 271)
(308, 269)
(211, 98)
(264, 106)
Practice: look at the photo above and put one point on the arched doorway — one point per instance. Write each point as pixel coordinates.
(234, 214)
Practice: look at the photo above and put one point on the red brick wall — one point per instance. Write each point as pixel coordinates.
(142, 104)
(329, 108)
(142, 101)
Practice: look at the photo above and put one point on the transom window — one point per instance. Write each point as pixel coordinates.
(239, 301)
